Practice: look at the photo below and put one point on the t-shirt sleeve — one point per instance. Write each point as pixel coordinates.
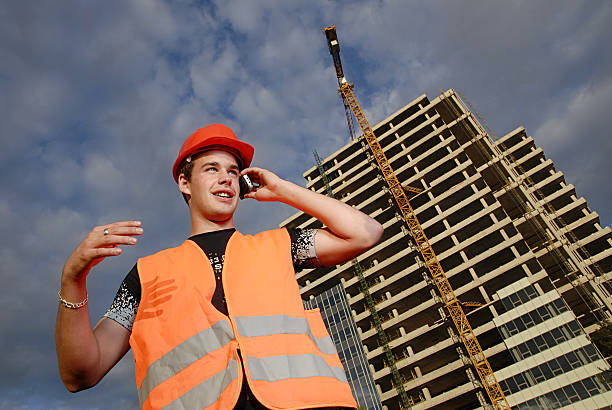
(125, 305)
(303, 248)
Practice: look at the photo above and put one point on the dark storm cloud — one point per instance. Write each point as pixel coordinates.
(96, 101)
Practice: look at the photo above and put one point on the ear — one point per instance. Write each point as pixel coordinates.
(183, 185)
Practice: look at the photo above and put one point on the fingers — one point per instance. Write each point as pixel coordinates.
(115, 226)
(251, 170)
(103, 252)
(104, 238)
(100, 242)
(121, 231)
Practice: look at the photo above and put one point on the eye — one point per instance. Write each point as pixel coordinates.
(233, 172)
(211, 169)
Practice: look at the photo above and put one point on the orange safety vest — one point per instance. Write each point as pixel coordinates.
(186, 350)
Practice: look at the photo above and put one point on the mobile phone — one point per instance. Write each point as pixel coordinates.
(246, 185)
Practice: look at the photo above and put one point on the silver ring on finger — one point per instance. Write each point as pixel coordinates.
(105, 231)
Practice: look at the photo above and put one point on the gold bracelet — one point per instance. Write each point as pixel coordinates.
(71, 305)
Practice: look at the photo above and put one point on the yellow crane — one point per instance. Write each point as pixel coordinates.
(480, 362)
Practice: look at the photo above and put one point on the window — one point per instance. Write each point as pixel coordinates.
(550, 340)
(561, 397)
(544, 313)
(581, 390)
(573, 360)
(575, 327)
(522, 294)
(528, 319)
(590, 387)
(564, 364)
(504, 386)
(515, 299)
(560, 305)
(531, 292)
(524, 350)
(592, 352)
(558, 335)
(520, 381)
(571, 393)
(520, 325)
(554, 367)
(546, 370)
(538, 375)
(536, 317)
(512, 385)
(532, 347)
(541, 343)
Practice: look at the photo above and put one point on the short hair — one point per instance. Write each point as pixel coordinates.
(185, 169)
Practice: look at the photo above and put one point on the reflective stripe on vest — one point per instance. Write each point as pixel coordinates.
(207, 392)
(186, 353)
(275, 368)
(270, 325)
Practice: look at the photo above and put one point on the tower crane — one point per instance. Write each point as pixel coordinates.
(478, 359)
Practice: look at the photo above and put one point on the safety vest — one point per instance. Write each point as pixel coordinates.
(186, 351)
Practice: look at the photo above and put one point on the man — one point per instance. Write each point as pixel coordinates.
(217, 322)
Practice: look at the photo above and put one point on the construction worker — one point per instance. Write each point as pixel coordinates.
(218, 321)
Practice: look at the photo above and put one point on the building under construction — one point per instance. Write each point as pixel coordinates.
(525, 256)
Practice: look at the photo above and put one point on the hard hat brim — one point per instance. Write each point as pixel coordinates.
(244, 150)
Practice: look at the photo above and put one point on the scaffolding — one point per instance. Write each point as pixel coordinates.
(542, 217)
(466, 333)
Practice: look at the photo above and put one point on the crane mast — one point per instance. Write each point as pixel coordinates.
(480, 362)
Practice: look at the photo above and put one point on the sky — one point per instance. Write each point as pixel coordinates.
(97, 97)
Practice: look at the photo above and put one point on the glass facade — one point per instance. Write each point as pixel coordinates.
(545, 367)
(572, 393)
(338, 319)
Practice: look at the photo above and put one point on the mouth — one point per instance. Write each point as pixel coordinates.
(224, 194)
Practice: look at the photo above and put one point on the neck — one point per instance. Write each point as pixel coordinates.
(202, 225)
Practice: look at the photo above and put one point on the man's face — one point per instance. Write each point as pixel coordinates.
(214, 185)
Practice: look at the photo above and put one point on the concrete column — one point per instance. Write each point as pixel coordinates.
(402, 331)
(484, 294)
(409, 350)
(417, 371)
(426, 393)
(513, 248)
(493, 310)
(453, 237)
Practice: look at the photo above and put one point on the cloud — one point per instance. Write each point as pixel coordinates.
(574, 132)
(97, 99)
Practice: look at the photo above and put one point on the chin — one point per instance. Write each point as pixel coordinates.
(220, 217)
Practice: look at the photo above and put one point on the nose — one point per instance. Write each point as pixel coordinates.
(225, 178)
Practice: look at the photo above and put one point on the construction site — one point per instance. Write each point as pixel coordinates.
(491, 285)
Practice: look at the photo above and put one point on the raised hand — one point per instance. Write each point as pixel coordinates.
(100, 243)
(268, 184)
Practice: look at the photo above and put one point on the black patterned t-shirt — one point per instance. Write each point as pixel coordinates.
(125, 305)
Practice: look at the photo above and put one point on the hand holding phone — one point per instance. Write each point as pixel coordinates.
(246, 185)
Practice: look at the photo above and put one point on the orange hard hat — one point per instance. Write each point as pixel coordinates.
(214, 136)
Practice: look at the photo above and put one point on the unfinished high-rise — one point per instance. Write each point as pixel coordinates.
(523, 253)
